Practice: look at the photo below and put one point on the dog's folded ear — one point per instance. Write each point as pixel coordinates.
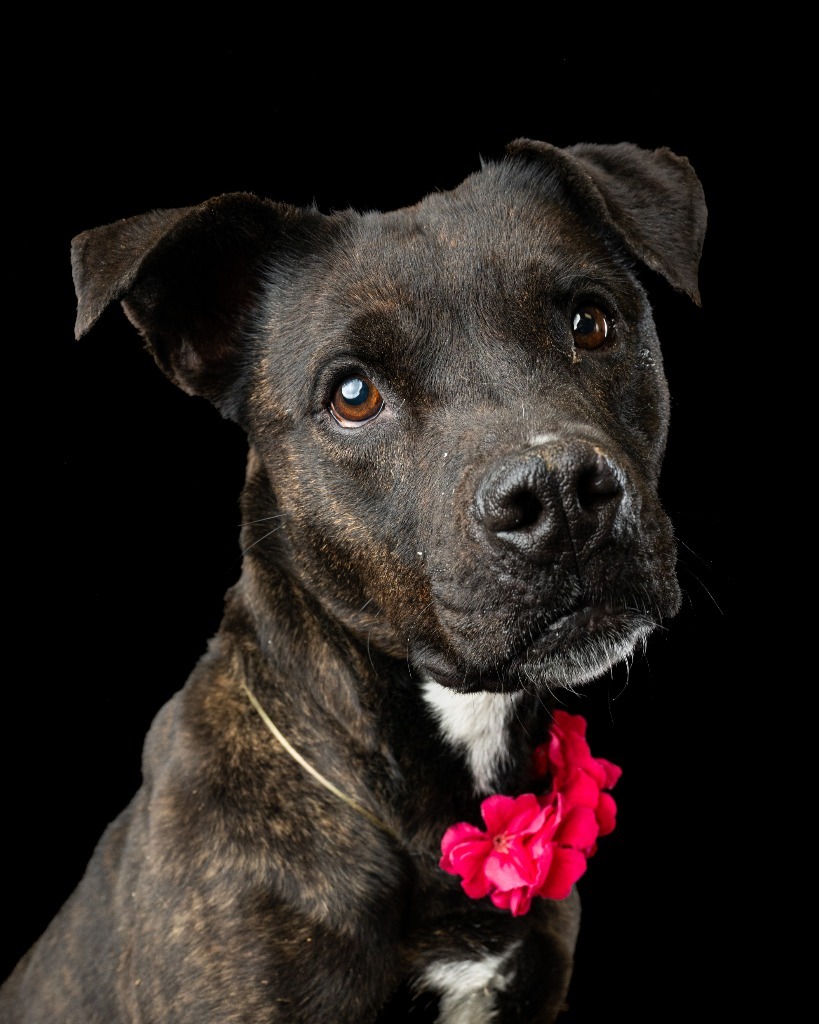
(652, 200)
(188, 280)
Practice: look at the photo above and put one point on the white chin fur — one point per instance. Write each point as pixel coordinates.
(476, 726)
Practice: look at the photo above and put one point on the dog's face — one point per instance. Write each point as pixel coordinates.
(456, 411)
(466, 438)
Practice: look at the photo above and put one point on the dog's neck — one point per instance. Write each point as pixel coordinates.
(476, 725)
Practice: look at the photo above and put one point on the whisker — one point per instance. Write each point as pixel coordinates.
(260, 539)
(264, 519)
(702, 561)
(694, 576)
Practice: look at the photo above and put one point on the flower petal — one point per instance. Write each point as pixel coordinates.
(461, 833)
(578, 828)
(464, 849)
(467, 859)
(579, 787)
(477, 886)
(566, 867)
(511, 869)
(509, 813)
(612, 772)
(519, 901)
(606, 814)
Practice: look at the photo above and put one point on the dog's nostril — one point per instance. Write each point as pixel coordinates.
(512, 497)
(519, 510)
(597, 483)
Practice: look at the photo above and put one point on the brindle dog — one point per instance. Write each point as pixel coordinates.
(456, 415)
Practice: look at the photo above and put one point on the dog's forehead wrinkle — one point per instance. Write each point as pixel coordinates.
(469, 230)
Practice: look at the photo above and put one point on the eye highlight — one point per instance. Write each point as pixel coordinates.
(355, 401)
(591, 328)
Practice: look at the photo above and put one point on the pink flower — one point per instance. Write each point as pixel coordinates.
(537, 846)
(511, 860)
(575, 773)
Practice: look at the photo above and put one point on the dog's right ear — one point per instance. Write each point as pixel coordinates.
(189, 280)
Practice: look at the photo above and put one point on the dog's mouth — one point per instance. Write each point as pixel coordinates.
(575, 648)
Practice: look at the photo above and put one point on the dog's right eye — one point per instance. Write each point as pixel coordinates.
(355, 401)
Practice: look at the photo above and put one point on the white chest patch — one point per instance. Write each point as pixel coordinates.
(467, 988)
(476, 725)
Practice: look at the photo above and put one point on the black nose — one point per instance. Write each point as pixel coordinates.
(562, 497)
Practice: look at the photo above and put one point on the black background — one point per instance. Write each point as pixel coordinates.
(124, 515)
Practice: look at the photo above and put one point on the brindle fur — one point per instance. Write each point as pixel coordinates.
(381, 563)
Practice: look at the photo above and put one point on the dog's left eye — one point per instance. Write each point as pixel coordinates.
(590, 327)
(355, 401)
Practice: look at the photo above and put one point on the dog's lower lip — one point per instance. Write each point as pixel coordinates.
(572, 626)
(588, 619)
(591, 617)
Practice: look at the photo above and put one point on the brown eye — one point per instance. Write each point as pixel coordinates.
(355, 401)
(590, 327)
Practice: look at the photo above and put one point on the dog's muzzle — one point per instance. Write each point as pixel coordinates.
(569, 564)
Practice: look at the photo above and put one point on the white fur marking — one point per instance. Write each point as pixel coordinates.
(476, 725)
(466, 988)
(540, 439)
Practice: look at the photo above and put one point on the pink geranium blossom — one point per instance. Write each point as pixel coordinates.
(575, 773)
(537, 845)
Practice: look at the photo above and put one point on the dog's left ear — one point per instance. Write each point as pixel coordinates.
(189, 281)
(652, 200)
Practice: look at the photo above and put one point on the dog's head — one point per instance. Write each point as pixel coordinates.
(457, 410)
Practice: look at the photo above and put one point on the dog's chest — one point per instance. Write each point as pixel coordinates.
(476, 726)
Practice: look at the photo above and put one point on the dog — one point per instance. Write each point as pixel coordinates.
(456, 416)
